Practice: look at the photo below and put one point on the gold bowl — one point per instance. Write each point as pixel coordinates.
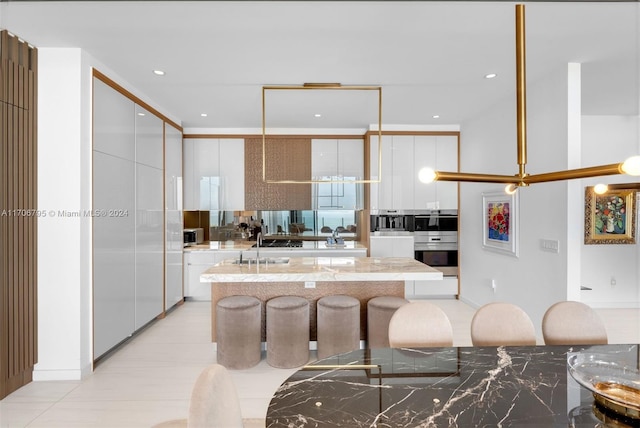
(614, 385)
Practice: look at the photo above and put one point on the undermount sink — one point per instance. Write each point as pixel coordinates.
(263, 261)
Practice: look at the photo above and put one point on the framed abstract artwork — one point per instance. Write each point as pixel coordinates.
(500, 222)
(610, 218)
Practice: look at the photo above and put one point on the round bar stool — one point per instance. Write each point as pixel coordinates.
(287, 332)
(379, 312)
(238, 331)
(338, 325)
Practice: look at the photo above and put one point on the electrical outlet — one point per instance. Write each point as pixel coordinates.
(613, 281)
(309, 284)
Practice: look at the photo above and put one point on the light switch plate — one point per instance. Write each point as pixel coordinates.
(550, 245)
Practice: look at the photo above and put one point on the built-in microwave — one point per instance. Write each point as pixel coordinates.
(193, 236)
(436, 221)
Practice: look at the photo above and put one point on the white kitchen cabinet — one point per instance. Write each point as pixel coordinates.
(424, 289)
(149, 215)
(402, 158)
(231, 159)
(173, 216)
(128, 224)
(113, 122)
(440, 153)
(148, 133)
(337, 159)
(196, 262)
(214, 174)
(391, 246)
(396, 188)
(113, 251)
(149, 255)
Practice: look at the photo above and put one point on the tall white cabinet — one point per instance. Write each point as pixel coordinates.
(114, 237)
(214, 174)
(129, 218)
(402, 158)
(173, 215)
(149, 254)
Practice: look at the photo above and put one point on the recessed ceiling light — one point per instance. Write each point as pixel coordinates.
(203, 114)
(140, 114)
(317, 115)
(490, 75)
(436, 116)
(158, 72)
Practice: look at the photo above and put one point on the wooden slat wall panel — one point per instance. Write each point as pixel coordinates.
(18, 219)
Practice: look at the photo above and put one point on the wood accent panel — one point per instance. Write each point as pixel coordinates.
(18, 212)
(286, 159)
(263, 291)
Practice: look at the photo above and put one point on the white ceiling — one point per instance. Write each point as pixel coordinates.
(429, 57)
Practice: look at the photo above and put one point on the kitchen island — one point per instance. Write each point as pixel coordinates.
(313, 278)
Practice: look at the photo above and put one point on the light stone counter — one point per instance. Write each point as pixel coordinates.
(314, 278)
(322, 269)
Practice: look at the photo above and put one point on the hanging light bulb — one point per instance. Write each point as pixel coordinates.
(510, 189)
(631, 166)
(426, 175)
(600, 188)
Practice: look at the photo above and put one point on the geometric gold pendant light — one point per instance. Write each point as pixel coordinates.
(631, 166)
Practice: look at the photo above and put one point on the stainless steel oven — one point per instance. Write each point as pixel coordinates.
(436, 221)
(436, 240)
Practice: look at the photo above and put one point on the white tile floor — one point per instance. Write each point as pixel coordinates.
(149, 379)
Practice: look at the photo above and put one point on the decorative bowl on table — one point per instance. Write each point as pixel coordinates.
(614, 386)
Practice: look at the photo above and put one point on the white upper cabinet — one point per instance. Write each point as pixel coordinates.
(338, 160)
(402, 158)
(231, 158)
(149, 128)
(214, 174)
(113, 122)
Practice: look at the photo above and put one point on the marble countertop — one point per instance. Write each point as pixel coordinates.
(246, 245)
(446, 387)
(323, 269)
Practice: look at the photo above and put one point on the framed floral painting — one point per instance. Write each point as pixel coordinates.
(500, 222)
(609, 218)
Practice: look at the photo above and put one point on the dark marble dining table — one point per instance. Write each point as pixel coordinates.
(520, 386)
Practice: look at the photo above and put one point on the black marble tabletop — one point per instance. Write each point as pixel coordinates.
(526, 386)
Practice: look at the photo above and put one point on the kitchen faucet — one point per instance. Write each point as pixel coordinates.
(258, 242)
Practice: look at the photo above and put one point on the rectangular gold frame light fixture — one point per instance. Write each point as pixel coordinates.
(312, 87)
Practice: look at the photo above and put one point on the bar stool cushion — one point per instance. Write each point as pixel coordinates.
(238, 331)
(379, 312)
(287, 331)
(338, 325)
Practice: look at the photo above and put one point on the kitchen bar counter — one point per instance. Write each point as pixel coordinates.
(322, 269)
(314, 278)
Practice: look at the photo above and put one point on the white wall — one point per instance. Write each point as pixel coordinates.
(535, 279)
(609, 139)
(63, 305)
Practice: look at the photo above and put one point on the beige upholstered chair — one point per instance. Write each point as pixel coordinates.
(214, 403)
(502, 324)
(420, 324)
(573, 323)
